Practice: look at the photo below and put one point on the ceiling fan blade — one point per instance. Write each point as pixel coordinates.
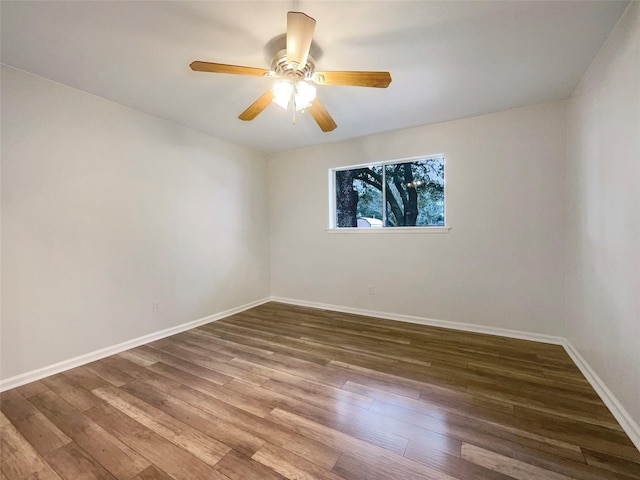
(321, 116)
(300, 29)
(223, 68)
(257, 107)
(353, 79)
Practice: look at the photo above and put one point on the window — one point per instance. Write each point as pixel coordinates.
(413, 194)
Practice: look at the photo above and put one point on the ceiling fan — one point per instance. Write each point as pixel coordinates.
(294, 69)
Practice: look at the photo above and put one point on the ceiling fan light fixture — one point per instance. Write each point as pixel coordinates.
(300, 92)
(282, 91)
(305, 94)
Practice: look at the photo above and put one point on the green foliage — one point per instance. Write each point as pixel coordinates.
(369, 196)
(414, 192)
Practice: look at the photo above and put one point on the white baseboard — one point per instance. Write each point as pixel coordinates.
(467, 327)
(32, 376)
(630, 427)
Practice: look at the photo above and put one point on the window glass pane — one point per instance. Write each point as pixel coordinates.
(415, 193)
(359, 197)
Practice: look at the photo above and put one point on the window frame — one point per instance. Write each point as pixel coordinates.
(332, 228)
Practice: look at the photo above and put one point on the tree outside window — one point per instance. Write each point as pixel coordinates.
(399, 194)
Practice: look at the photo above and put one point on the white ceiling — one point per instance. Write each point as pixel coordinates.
(447, 59)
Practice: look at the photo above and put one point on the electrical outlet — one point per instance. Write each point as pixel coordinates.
(155, 307)
(372, 290)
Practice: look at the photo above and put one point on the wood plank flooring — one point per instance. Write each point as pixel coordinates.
(288, 392)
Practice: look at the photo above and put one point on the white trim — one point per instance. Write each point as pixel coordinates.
(332, 199)
(32, 376)
(467, 327)
(630, 427)
(388, 230)
(380, 163)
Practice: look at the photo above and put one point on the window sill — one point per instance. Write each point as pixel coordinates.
(389, 230)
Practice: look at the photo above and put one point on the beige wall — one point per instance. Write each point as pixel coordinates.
(502, 263)
(106, 210)
(603, 239)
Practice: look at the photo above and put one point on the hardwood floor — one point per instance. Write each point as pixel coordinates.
(289, 392)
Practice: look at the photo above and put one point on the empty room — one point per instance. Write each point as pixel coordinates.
(334, 240)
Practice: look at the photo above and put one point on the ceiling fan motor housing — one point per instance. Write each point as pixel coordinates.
(291, 70)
